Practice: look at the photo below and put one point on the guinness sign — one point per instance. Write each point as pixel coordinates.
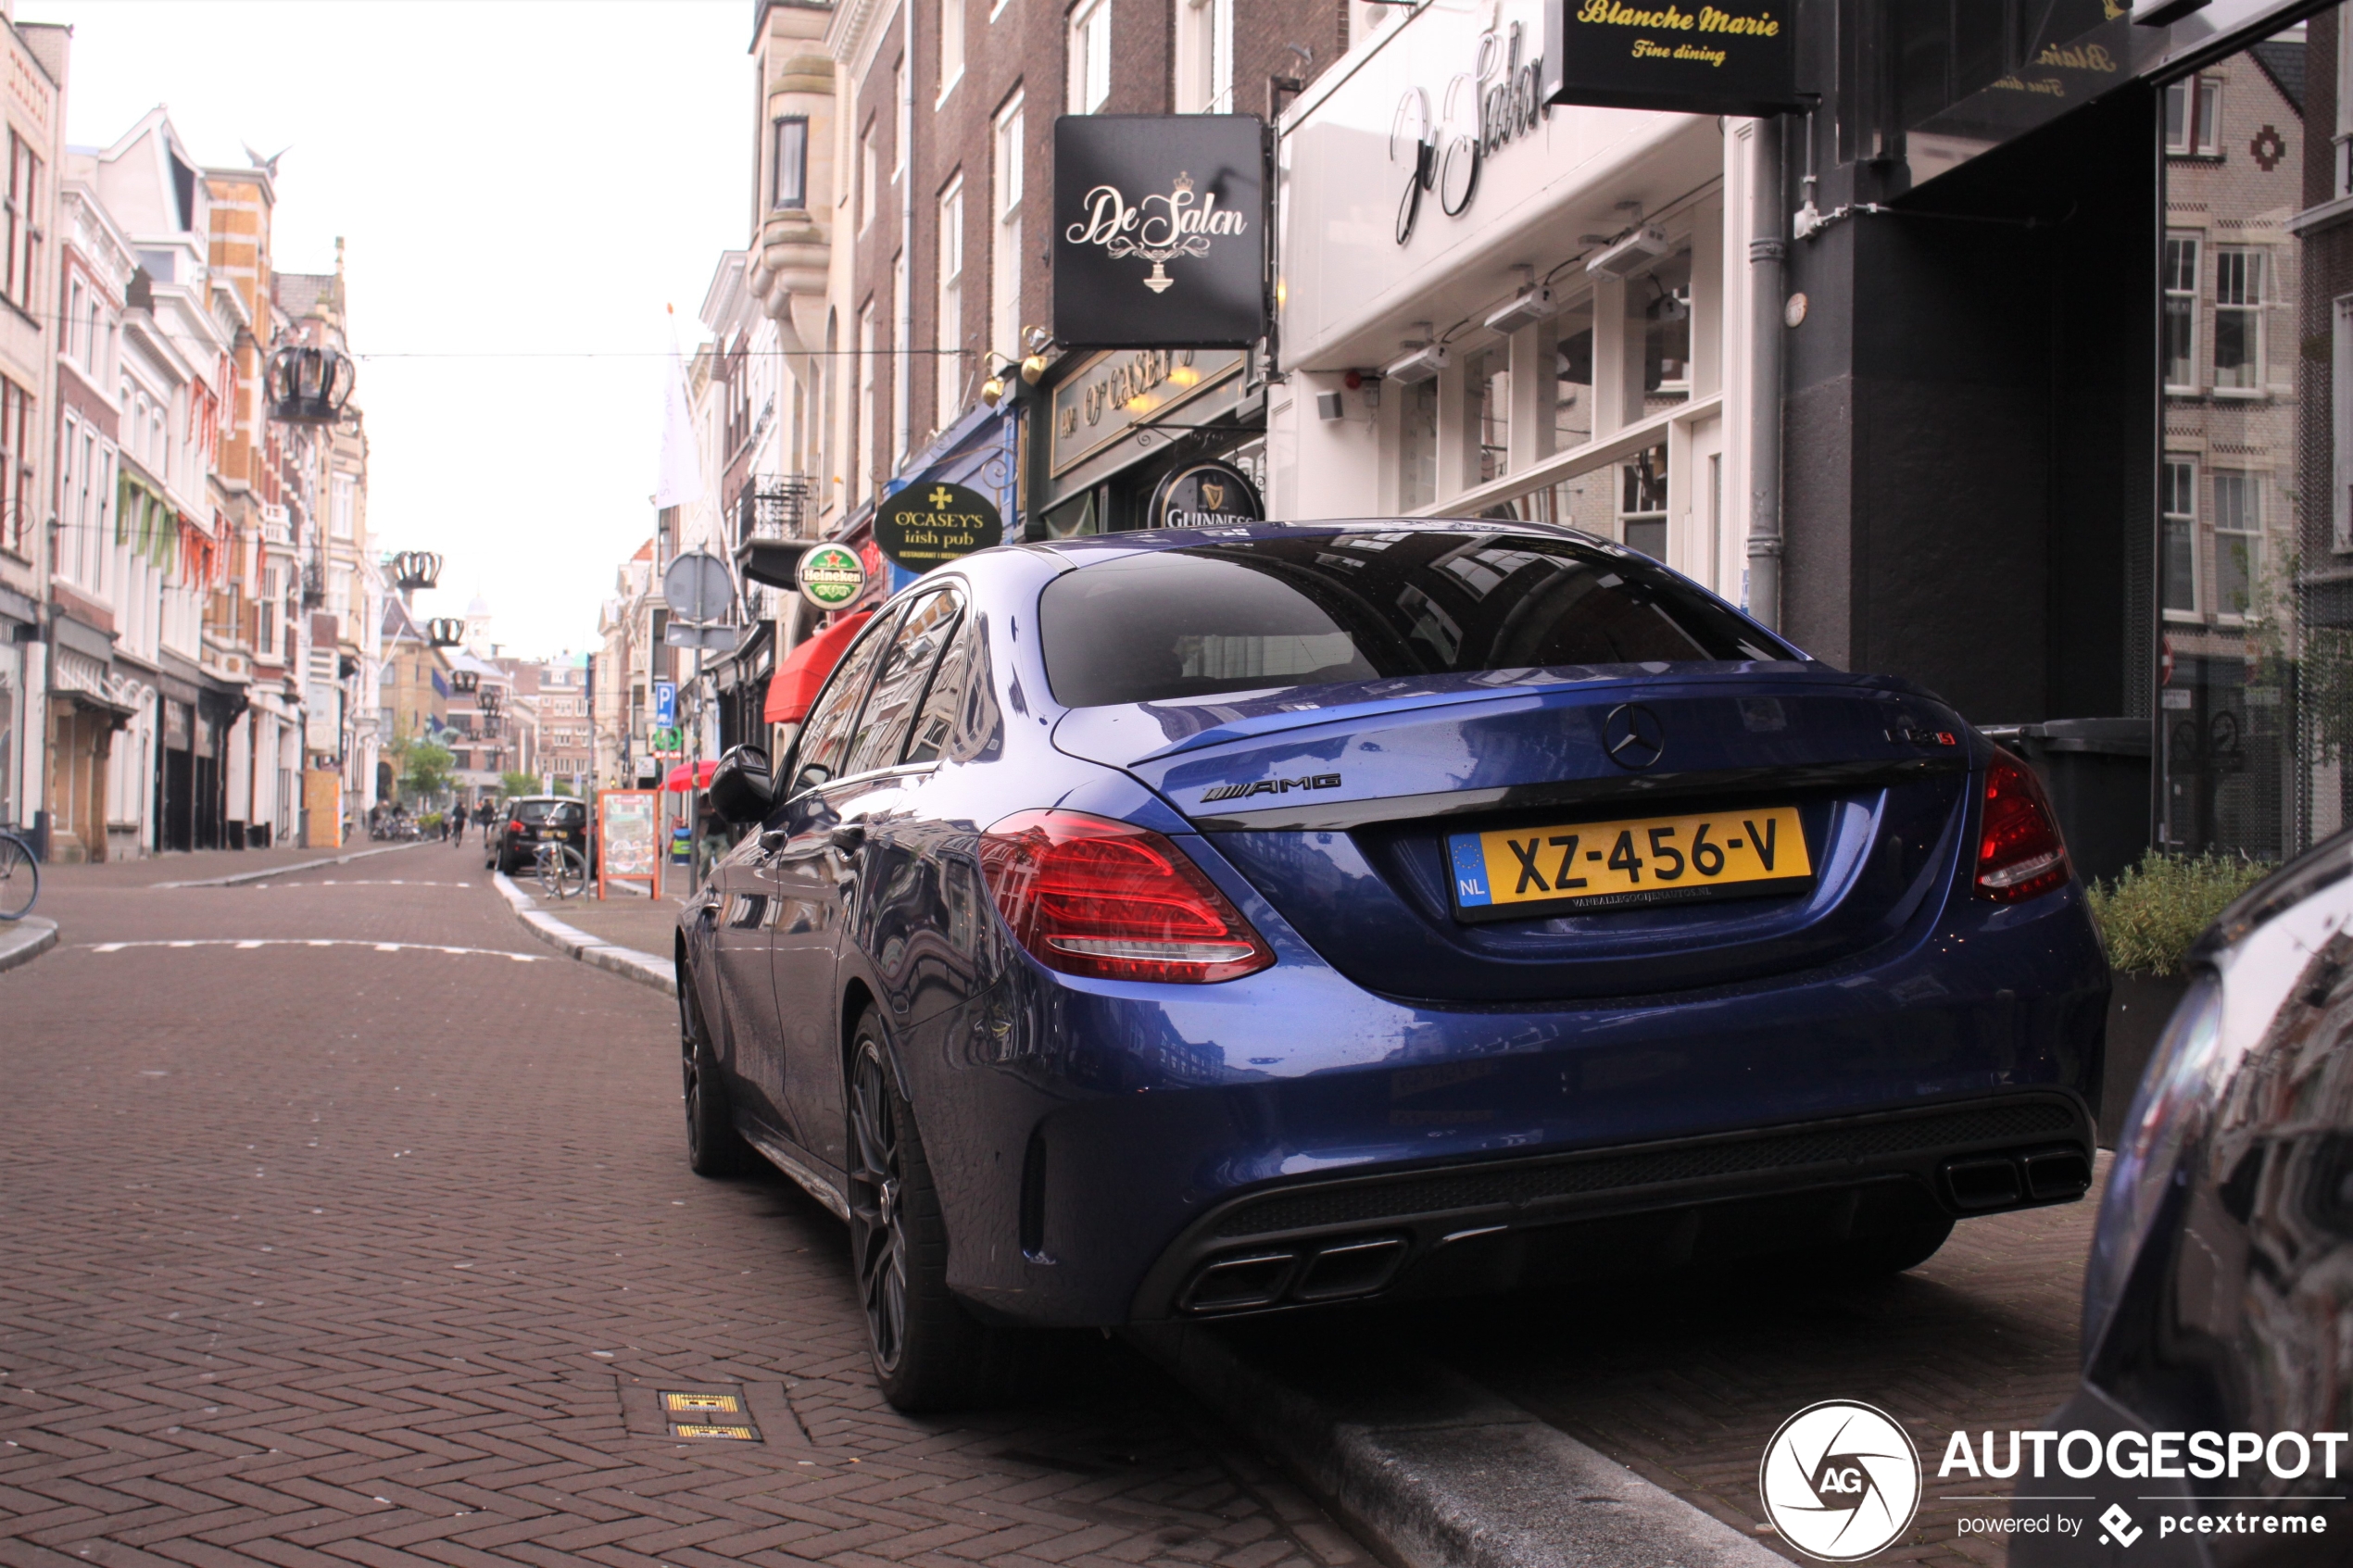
(1689, 57)
(1202, 495)
(1159, 230)
(930, 522)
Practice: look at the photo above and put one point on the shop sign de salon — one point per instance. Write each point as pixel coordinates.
(1159, 231)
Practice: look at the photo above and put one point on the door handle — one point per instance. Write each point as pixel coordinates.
(847, 836)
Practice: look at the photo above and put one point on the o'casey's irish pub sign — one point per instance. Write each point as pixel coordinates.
(1734, 56)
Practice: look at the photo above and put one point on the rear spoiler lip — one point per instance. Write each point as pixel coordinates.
(1342, 816)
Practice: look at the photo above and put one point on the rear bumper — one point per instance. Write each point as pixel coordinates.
(1469, 1227)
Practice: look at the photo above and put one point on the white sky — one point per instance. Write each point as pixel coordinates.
(521, 184)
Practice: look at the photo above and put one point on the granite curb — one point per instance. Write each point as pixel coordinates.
(1439, 1471)
(291, 869)
(22, 941)
(628, 962)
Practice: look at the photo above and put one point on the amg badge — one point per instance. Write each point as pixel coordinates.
(1272, 787)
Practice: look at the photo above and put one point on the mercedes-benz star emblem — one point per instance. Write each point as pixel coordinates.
(1633, 736)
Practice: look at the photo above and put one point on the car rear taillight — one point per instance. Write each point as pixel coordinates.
(2019, 853)
(1088, 895)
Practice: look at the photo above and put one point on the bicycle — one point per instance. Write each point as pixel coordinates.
(19, 877)
(561, 869)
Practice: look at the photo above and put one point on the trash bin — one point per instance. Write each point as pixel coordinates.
(2097, 772)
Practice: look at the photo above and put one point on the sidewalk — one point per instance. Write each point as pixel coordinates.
(205, 865)
(623, 921)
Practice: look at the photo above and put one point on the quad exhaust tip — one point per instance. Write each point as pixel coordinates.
(2007, 1181)
(1337, 1271)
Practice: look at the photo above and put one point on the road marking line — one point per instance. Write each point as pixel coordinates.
(249, 943)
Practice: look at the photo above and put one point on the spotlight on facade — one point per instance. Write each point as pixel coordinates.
(447, 631)
(1032, 368)
(1631, 255)
(1419, 365)
(1532, 307)
(992, 391)
(412, 570)
(305, 385)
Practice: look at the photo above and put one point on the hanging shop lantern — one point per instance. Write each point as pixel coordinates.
(465, 683)
(492, 700)
(412, 570)
(447, 631)
(308, 385)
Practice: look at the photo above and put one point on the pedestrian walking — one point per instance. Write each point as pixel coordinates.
(485, 814)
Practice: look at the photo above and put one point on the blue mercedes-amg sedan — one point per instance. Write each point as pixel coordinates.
(1238, 919)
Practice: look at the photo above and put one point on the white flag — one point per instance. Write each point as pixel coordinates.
(681, 481)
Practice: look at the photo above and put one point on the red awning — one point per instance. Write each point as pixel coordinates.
(794, 685)
(687, 777)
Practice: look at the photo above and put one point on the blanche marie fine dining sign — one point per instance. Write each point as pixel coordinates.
(1159, 231)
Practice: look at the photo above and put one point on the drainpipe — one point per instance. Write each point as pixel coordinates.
(1766, 251)
(903, 394)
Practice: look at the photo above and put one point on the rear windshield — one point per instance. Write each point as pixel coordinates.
(550, 814)
(1317, 610)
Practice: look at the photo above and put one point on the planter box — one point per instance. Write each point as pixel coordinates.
(2137, 1009)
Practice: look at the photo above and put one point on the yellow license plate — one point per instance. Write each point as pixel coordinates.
(1646, 861)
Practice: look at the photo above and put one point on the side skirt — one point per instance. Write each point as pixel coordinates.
(785, 1158)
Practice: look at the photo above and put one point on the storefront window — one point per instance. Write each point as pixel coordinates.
(1417, 445)
(1573, 397)
(1641, 513)
(2253, 704)
(1491, 395)
(1658, 309)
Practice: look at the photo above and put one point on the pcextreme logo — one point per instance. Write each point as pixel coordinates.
(1839, 1480)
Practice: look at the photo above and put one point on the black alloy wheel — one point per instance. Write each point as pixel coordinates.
(928, 1353)
(713, 1147)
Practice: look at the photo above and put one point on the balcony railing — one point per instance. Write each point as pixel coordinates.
(774, 506)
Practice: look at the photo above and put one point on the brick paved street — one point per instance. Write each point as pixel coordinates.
(377, 1252)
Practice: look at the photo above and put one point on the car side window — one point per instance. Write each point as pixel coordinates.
(825, 738)
(905, 670)
(937, 721)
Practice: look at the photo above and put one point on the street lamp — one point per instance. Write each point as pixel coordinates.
(412, 570)
(308, 385)
(447, 631)
(465, 683)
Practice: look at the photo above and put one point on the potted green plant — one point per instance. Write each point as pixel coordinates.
(2149, 917)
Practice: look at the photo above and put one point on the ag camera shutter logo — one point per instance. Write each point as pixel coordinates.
(1839, 1480)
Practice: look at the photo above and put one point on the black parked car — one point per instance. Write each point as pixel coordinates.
(2218, 1306)
(527, 819)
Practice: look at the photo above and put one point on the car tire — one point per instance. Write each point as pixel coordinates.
(928, 1353)
(1892, 1252)
(713, 1147)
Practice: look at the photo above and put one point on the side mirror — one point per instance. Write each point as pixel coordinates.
(740, 790)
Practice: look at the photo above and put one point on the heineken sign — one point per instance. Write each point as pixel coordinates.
(1738, 56)
(830, 576)
(931, 522)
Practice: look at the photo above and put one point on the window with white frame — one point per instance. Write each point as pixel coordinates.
(952, 45)
(2238, 541)
(901, 380)
(869, 174)
(2341, 420)
(868, 412)
(74, 292)
(2181, 275)
(1004, 239)
(2194, 118)
(905, 122)
(789, 153)
(948, 337)
(2238, 319)
(342, 503)
(2177, 508)
(1204, 56)
(1089, 56)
